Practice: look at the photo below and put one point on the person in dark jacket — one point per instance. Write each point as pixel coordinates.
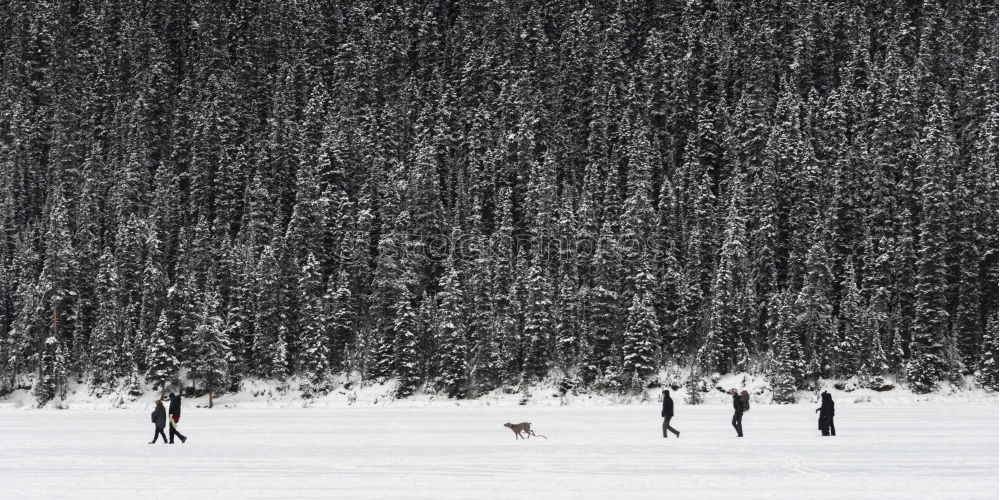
(159, 417)
(737, 412)
(826, 415)
(667, 413)
(175, 417)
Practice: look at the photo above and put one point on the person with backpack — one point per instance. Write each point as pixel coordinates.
(159, 418)
(738, 409)
(826, 415)
(667, 413)
(175, 417)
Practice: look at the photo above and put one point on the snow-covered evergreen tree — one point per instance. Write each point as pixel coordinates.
(782, 370)
(814, 322)
(568, 324)
(727, 309)
(927, 364)
(640, 338)
(537, 323)
(693, 389)
(451, 347)
(341, 315)
(161, 361)
(406, 335)
(604, 310)
(852, 324)
(314, 359)
(989, 356)
(52, 370)
(107, 335)
(211, 366)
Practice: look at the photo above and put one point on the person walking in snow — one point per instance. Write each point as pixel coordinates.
(175, 417)
(159, 418)
(738, 408)
(826, 415)
(667, 413)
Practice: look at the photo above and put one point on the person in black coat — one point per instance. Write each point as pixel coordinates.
(175, 416)
(737, 412)
(159, 417)
(667, 413)
(826, 415)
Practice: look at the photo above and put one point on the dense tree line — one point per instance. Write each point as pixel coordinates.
(463, 196)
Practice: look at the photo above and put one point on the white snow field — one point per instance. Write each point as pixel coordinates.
(929, 450)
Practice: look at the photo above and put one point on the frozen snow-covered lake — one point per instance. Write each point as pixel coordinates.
(920, 451)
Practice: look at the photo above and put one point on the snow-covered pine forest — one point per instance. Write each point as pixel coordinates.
(466, 196)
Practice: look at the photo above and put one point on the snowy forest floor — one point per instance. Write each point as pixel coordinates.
(347, 392)
(921, 450)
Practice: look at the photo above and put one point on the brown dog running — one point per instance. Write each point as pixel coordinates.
(524, 427)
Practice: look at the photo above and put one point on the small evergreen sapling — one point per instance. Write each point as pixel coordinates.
(693, 387)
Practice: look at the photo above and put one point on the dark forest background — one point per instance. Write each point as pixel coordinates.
(464, 196)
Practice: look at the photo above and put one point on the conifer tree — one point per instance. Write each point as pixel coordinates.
(637, 213)
(162, 363)
(927, 365)
(567, 323)
(50, 383)
(903, 301)
(537, 323)
(57, 286)
(782, 377)
(481, 309)
(341, 315)
(640, 333)
(989, 354)
(852, 323)
(266, 318)
(964, 259)
(154, 288)
(388, 291)
(406, 336)
(814, 323)
(107, 335)
(728, 306)
(450, 336)
(668, 285)
(406, 352)
(693, 388)
(786, 364)
(213, 353)
(314, 358)
(603, 302)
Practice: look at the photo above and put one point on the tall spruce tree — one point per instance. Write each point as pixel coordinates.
(538, 323)
(451, 346)
(926, 366)
(727, 309)
(161, 360)
(213, 354)
(640, 338)
(989, 357)
(314, 358)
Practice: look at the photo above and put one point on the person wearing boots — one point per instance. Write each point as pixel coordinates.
(175, 418)
(159, 418)
(668, 413)
(737, 412)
